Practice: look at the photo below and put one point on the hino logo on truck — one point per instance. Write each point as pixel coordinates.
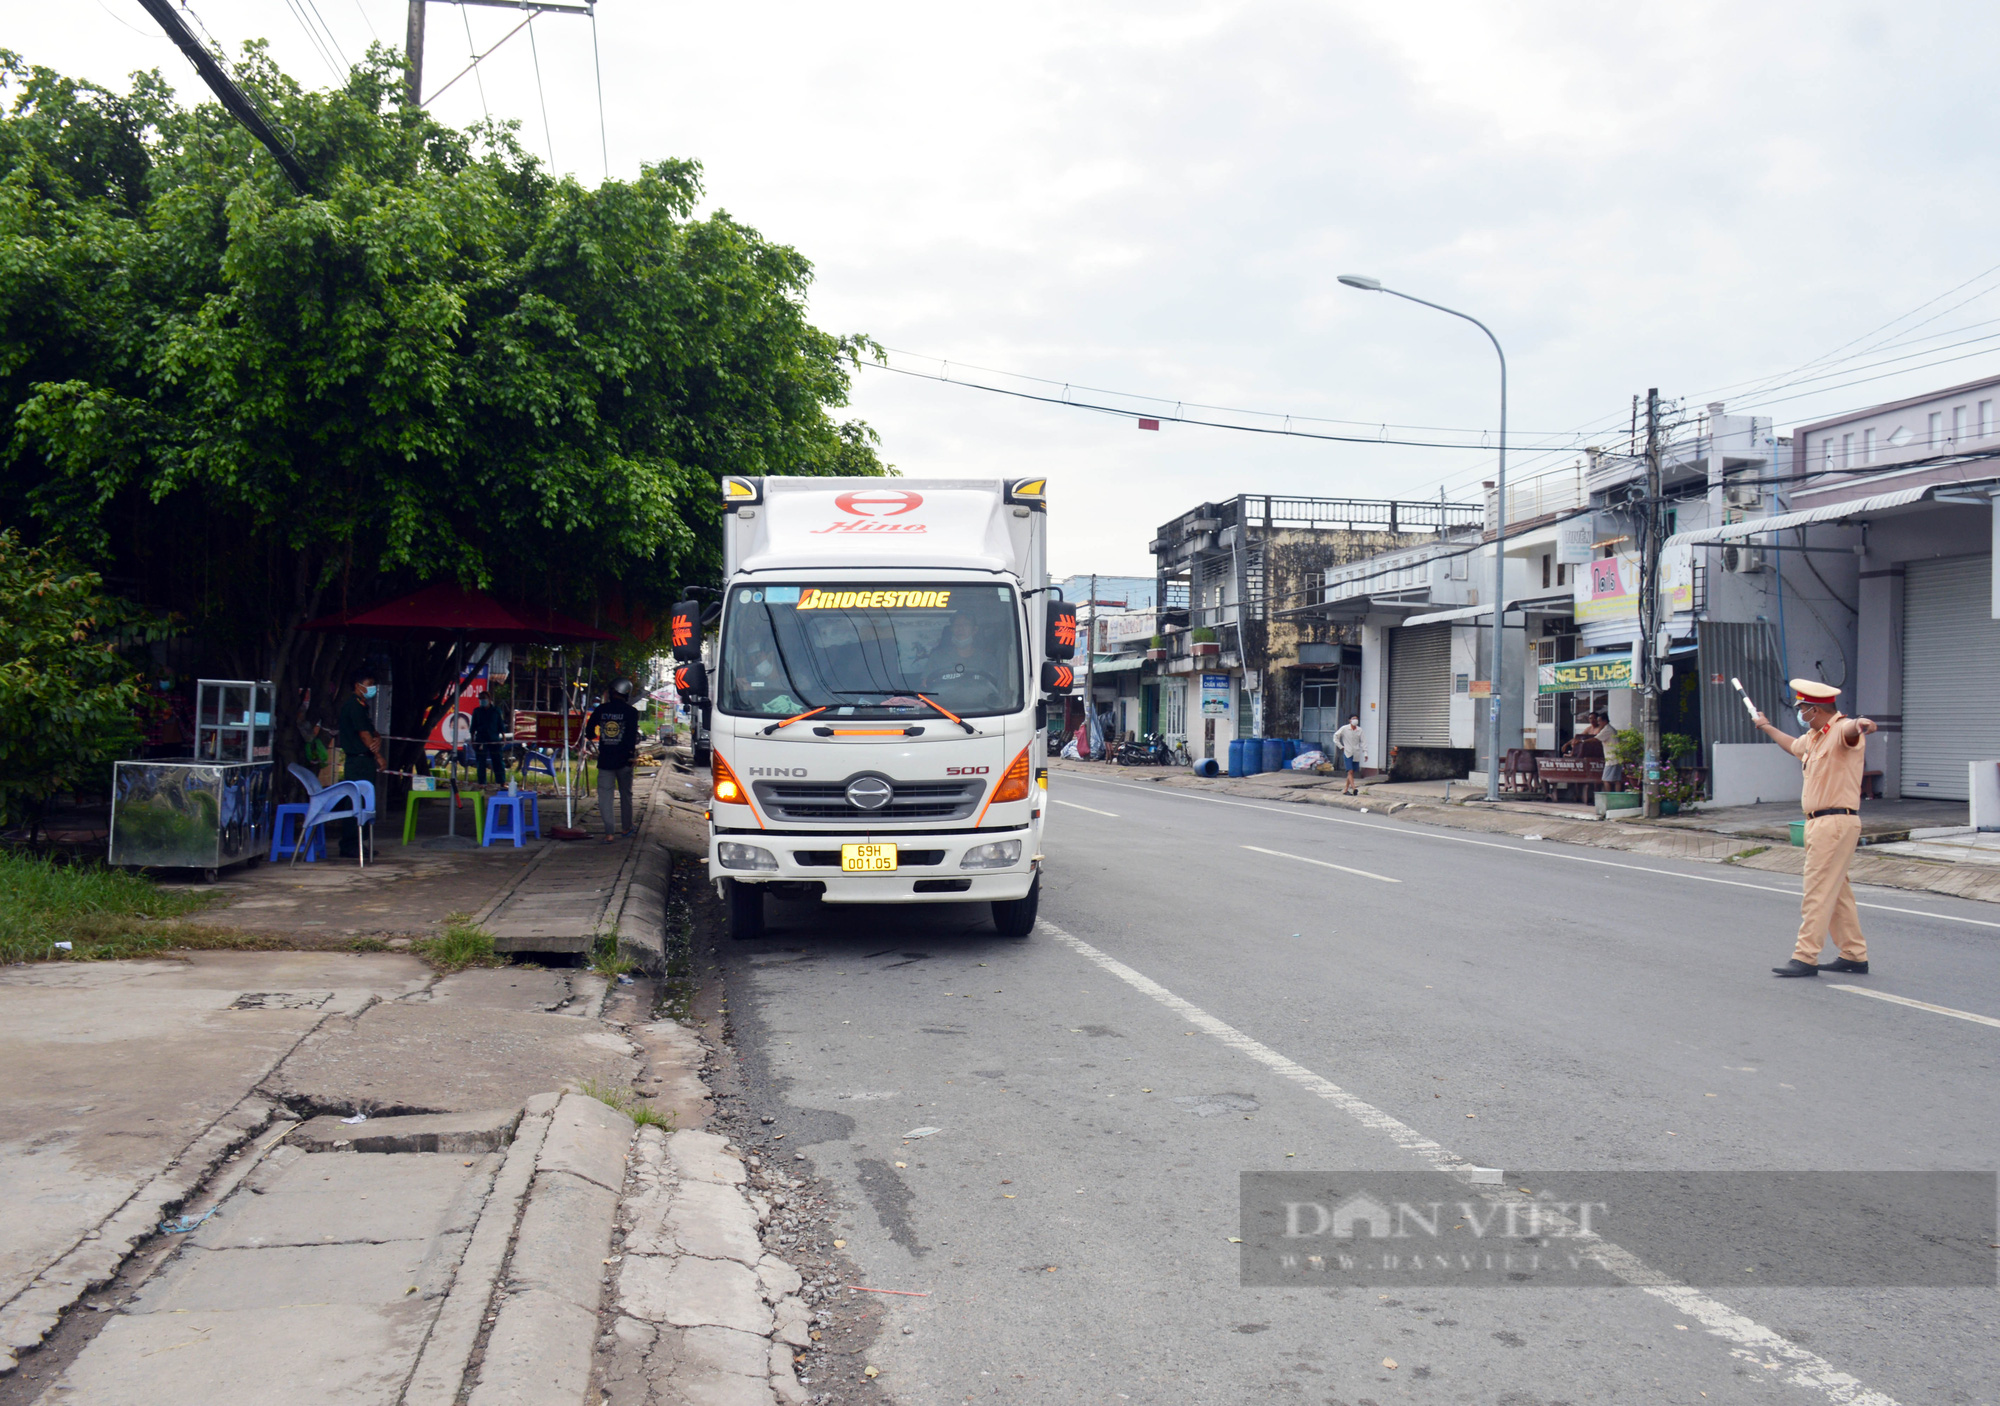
(775, 770)
(872, 503)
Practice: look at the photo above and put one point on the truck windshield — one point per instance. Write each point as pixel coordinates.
(868, 651)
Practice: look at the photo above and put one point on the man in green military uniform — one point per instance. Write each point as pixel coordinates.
(361, 745)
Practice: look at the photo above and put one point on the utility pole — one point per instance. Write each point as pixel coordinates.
(1649, 608)
(413, 50)
(1090, 671)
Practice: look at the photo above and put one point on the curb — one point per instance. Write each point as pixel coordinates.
(639, 911)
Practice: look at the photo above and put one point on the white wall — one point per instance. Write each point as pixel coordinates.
(1464, 660)
(1747, 773)
(1374, 700)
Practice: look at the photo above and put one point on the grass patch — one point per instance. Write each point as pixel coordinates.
(1750, 853)
(368, 944)
(625, 1102)
(101, 913)
(459, 946)
(605, 961)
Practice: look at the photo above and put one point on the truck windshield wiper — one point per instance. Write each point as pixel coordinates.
(797, 717)
(953, 716)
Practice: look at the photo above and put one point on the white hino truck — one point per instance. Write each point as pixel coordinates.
(878, 691)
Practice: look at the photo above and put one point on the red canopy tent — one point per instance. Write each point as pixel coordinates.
(448, 611)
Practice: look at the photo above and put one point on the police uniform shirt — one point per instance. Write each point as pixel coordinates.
(1833, 767)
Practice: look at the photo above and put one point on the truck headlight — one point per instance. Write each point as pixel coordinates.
(734, 856)
(1001, 854)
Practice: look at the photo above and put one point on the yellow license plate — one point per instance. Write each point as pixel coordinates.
(868, 859)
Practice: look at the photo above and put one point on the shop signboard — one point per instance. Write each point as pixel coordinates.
(1607, 588)
(1129, 625)
(1215, 695)
(1587, 675)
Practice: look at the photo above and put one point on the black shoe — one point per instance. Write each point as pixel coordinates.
(1843, 964)
(1795, 968)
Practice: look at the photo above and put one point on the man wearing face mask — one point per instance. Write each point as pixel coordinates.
(1832, 752)
(361, 745)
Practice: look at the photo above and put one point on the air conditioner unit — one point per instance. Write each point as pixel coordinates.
(1741, 559)
(1744, 496)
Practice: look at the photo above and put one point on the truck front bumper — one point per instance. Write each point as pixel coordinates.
(929, 870)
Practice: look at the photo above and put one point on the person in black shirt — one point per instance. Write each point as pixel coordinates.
(486, 750)
(614, 724)
(361, 746)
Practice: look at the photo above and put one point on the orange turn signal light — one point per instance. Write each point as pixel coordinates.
(1014, 784)
(726, 787)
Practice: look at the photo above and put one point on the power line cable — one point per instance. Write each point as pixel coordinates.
(331, 38)
(548, 133)
(312, 35)
(472, 53)
(597, 65)
(365, 20)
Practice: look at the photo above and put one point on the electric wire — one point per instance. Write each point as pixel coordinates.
(331, 38)
(312, 35)
(548, 133)
(363, 9)
(472, 53)
(597, 66)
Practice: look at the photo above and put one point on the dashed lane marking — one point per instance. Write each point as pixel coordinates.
(1753, 1342)
(1092, 809)
(1917, 1005)
(1324, 864)
(1541, 850)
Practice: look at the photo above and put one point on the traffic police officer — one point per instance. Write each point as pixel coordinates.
(1832, 752)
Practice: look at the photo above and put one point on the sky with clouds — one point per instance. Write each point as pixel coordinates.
(1763, 202)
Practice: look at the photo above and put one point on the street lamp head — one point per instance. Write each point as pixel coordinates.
(1362, 281)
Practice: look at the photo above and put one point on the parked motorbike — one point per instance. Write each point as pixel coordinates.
(1153, 751)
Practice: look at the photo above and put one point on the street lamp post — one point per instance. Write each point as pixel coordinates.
(1374, 285)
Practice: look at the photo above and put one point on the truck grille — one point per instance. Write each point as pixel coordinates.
(830, 858)
(827, 800)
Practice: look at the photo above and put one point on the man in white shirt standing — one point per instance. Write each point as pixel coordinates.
(1347, 741)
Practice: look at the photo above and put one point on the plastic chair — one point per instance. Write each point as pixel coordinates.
(327, 806)
(306, 778)
(531, 760)
(514, 804)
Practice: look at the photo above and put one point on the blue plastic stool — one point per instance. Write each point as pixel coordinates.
(531, 822)
(511, 804)
(283, 845)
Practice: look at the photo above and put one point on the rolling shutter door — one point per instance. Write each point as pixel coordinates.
(1951, 674)
(1420, 687)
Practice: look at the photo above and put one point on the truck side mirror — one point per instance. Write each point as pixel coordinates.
(686, 635)
(691, 679)
(1058, 678)
(1061, 642)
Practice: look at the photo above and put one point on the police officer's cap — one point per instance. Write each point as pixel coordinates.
(1813, 691)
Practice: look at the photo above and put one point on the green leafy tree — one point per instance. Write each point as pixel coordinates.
(69, 701)
(252, 408)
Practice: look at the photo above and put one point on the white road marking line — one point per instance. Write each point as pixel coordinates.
(1524, 849)
(1755, 1343)
(1919, 1005)
(1384, 878)
(1074, 806)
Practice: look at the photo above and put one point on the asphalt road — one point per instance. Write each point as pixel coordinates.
(1222, 985)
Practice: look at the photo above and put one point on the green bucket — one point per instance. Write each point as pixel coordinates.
(1799, 834)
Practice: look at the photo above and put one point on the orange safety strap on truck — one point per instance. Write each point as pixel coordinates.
(796, 718)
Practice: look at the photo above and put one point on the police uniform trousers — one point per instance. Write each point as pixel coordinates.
(1829, 898)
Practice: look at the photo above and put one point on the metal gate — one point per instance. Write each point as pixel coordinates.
(1746, 650)
(1319, 712)
(1951, 674)
(1420, 686)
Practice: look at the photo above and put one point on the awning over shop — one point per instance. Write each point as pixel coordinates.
(1832, 512)
(1536, 605)
(1115, 663)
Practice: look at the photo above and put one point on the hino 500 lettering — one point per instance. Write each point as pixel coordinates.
(878, 697)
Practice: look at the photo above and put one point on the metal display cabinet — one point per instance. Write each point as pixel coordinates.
(190, 814)
(209, 812)
(232, 720)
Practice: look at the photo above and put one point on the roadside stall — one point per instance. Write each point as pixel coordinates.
(474, 622)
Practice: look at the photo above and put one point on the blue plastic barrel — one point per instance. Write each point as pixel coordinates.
(1204, 766)
(1274, 754)
(1253, 755)
(1236, 757)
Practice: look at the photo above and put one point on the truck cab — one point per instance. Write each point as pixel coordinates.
(876, 696)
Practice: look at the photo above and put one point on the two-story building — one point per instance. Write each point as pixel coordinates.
(1244, 650)
(1875, 556)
